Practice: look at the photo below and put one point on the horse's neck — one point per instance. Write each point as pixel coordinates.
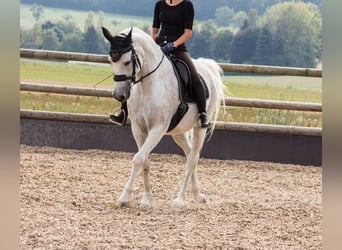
(161, 82)
(159, 89)
(158, 92)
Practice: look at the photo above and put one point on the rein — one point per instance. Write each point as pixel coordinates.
(103, 80)
(154, 70)
(135, 61)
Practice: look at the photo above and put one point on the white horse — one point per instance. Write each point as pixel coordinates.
(145, 78)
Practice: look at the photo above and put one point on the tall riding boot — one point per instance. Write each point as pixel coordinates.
(205, 122)
(204, 118)
(201, 105)
(121, 118)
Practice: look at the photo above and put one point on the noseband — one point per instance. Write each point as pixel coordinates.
(115, 56)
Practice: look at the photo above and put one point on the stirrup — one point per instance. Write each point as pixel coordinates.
(119, 119)
(205, 122)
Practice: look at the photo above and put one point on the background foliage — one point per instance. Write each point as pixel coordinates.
(204, 9)
(268, 32)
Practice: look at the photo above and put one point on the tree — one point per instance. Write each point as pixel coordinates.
(221, 44)
(93, 42)
(264, 47)
(49, 40)
(100, 21)
(201, 43)
(31, 39)
(56, 28)
(73, 43)
(297, 27)
(239, 18)
(252, 20)
(244, 45)
(37, 11)
(224, 16)
(89, 22)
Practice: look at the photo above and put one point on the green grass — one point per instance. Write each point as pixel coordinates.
(285, 82)
(71, 73)
(270, 92)
(66, 103)
(286, 88)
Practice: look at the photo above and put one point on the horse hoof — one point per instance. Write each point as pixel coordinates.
(123, 204)
(178, 203)
(145, 203)
(200, 199)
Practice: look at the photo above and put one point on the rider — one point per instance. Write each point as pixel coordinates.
(175, 17)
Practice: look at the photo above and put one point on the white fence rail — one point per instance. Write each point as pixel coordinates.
(229, 101)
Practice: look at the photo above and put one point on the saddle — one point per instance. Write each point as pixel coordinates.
(186, 96)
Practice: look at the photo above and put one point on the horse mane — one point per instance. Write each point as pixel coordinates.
(138, 34)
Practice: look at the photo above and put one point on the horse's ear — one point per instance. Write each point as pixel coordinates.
(107, 34)
(128, 38)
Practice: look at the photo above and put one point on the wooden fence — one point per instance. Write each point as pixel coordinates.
(226, 67)
(229, 101)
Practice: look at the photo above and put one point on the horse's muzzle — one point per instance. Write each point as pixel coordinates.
(121, 97)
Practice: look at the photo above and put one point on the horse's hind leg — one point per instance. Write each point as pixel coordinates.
(146, 200)
(191, 171)
(196, 189)
(183, 141)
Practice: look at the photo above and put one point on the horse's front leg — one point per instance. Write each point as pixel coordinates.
(140, 160)
(125, 197)
(139, 137)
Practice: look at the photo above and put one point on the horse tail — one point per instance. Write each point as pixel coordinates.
(217, 74)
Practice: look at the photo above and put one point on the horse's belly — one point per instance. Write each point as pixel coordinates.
(189, 121)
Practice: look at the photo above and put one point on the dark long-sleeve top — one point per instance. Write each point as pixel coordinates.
(172, 20)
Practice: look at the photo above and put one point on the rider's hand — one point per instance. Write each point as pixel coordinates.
(167, 48)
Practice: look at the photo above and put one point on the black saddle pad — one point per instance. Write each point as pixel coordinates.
(182, 72)
(185, 90)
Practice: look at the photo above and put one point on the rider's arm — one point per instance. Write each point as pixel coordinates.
(183, 38)
(154, 33)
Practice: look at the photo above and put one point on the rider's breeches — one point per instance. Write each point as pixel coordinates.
(197, 87)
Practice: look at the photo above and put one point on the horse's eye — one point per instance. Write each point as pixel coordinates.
(126, 63)
(115, 56)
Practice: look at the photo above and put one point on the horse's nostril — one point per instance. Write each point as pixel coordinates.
(120, 98)
(117, 96)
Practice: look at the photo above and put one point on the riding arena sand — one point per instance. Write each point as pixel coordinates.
(69, 201)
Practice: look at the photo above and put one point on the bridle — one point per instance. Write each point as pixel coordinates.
(116, 55)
